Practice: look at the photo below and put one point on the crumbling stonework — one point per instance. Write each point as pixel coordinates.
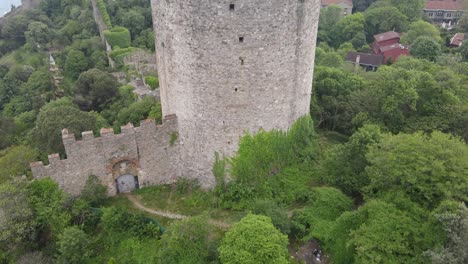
(146, 151)
(225, 67)
(230, 66)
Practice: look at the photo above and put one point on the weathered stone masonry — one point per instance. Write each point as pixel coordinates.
(225, 67)
(146, 151)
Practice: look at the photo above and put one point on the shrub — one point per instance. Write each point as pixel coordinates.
(93, 192)
(152, 82)
(105, 15)
(118, 37)
(254, 240)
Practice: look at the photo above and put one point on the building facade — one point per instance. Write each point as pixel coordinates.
(225, 68)
(445, 12)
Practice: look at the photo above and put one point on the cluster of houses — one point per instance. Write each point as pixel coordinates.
(444, 12)
(387, 47)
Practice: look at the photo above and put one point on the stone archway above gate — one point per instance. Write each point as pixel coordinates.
(124, 166)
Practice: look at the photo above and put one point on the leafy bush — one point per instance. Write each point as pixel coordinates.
(271, 165)
(254, 240)
(152, 82)
(118, 220)
(73, 246)
(118, 37)
(186, 241)
(136, 112)
(325, 205)
(278, 215)
(93, 192)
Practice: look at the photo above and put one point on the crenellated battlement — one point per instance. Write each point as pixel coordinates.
(97, 155)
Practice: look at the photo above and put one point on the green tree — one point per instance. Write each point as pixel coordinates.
(73, 246)
(418, 29)
(95, 89)
(17, 223)
(428, 168)
(134, 21)
(385, 231)
(346, 29)
(332, 109)
(7, 132)
(254, 240)
(38, 33)
(453, 216)
(137, 111)
(14, 28)
(38, 83)
(47, 202)
(52, 119)
(186, 241)
(381, 232)
(382, 19)
(464, 52)
(14, 161)
(425, 48)
(344, 165)
(75, 63)
(362, 5)
(410, 8)
(329, 16)
(325, 205)
(94, 192)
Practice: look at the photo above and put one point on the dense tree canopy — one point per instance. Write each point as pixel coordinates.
(429, 168)
(95, 89)
(254, 240)
(425, 48)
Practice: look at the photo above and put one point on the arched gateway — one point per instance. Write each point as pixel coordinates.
(125, 173)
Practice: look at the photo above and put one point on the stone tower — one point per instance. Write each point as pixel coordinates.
(231, 66)
(225, 68)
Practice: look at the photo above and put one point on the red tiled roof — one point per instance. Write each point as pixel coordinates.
(444, 5)
(335, 2)
(394, 46)
(386, 36)
(457, 40)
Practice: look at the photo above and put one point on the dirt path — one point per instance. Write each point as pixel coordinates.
(137, 204)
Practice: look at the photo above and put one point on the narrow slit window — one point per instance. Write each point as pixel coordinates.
(241, 60)
(241, 39)
(232, 7)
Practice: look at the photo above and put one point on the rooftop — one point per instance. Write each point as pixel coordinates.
(386, 36)
(365, 58)
(393, 46)
(457, 40)
(444, 5)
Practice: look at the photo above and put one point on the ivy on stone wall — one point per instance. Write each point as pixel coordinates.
(105, 16)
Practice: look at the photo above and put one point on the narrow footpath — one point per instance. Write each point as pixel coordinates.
(137, 204)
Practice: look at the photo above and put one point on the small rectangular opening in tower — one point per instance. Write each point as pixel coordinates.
(241, 39)
(232, 7)
(242, 63)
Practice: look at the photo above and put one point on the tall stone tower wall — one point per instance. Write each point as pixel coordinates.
(230, 66)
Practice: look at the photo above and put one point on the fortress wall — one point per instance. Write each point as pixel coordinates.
(101, 156)
(225, 70)
(158, 147)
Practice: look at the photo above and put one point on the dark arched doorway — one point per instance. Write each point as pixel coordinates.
(126, 183)
(125, 173)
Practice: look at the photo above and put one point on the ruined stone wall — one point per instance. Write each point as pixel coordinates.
(146, 151)
(230, 66)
